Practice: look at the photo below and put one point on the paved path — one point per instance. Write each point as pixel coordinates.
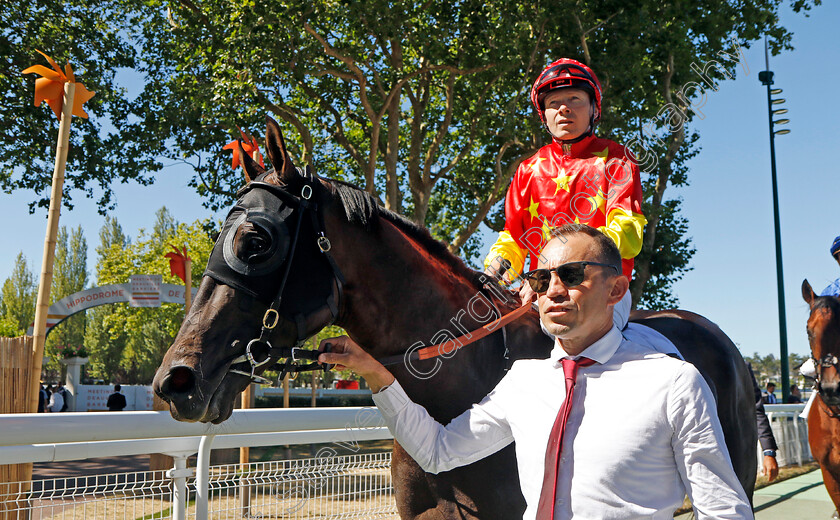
(800, 498)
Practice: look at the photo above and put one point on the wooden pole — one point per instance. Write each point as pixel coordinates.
(315, 375)
(286, 391)
(43, 302)
(188, 287)
(245, 459)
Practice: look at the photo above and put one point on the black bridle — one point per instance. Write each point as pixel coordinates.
(261, 345)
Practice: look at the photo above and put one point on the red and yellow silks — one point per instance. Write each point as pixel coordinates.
(50, 87)
(594, 181)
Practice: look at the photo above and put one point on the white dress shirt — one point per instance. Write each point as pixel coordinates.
(643, 431)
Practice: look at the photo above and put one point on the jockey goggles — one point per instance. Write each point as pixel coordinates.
(571, 274)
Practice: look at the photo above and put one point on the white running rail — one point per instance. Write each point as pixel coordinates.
(78, 436)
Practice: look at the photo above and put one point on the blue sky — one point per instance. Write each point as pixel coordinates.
(728, 203)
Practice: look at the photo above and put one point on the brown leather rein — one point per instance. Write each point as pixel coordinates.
(447, 348)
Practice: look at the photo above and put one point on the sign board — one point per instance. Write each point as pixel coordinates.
(145, 290)
(94, 398)
(117, 293)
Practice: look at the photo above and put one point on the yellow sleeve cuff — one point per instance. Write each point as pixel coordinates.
(507, 248)
(627, 231)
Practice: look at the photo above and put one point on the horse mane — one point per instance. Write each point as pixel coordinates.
(360, 206)
(830, 303)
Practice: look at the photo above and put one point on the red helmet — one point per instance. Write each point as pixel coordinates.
(567, 72)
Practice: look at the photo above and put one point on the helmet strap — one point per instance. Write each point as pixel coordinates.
(581, 137)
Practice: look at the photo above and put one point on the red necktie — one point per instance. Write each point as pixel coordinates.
(545, 509)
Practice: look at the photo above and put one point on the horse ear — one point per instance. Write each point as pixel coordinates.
(277, 154)
(251, 167)
(808, 293)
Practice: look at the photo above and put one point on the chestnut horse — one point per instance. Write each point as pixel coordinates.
(824, 417)
(298, 253)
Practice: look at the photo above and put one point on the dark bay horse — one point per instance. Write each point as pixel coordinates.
(824, 417)
(297, 253)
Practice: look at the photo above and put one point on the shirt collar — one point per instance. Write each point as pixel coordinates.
(601, 351)
(576, 149)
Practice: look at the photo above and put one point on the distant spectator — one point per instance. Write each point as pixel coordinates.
(795, 396)
(116, 401)
(43, 399)
(769, 464)
(63, 391)
(834, 288)
(769, 395)
(56, 401)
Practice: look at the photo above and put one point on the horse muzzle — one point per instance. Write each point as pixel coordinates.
(178, 387)
(830, 392)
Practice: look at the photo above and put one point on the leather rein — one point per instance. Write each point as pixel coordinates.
(295, 353)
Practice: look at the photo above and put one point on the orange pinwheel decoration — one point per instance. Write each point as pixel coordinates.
(177, 262)
(50, 87)
(249, 144)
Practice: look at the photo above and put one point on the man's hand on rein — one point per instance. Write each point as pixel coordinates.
(345, 353)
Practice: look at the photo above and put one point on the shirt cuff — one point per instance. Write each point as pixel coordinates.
(391, 399)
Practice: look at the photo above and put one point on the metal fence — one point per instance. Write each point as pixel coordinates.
(329, 485)
(343, 487)
(791, 433)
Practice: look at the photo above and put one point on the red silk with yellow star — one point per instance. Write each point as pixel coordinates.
(50, 87)
(592, 182)
(249, 144)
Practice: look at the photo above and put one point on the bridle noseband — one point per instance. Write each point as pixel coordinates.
(292, 354)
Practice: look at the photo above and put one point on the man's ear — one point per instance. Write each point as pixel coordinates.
(620, 285)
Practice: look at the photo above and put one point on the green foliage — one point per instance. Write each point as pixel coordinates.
(424, 104)
(93, 39)
(8, 328)
(769, 368)
(17, 299)
(127, 344)
(70, 276)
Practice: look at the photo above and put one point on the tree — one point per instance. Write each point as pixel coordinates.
(17, 299)
(103, 337)
(768, 368)
(94, 41)
(422, 105)
(70, 276)
(425, 104)
(128, 343)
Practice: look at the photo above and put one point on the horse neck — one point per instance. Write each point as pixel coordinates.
(397, 294)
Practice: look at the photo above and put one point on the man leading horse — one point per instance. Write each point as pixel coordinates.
(578, 454)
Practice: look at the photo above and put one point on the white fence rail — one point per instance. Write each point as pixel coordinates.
(331, 485)
(791, 433)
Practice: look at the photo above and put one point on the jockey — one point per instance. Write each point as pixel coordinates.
(578, 177)
(834, 288)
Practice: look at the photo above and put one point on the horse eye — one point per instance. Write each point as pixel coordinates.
(254, 243)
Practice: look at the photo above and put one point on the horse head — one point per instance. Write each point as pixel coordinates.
(270, 283)
(824, 337)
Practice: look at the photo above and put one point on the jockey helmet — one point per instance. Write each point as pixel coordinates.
(835, 246)
(565, 73)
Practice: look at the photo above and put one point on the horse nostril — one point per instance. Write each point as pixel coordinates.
(181, 380)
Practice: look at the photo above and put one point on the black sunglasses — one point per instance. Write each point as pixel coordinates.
(571, 274)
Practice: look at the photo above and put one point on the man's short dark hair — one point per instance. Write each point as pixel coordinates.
(117, 388)
(605, 249)
(771, 384)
